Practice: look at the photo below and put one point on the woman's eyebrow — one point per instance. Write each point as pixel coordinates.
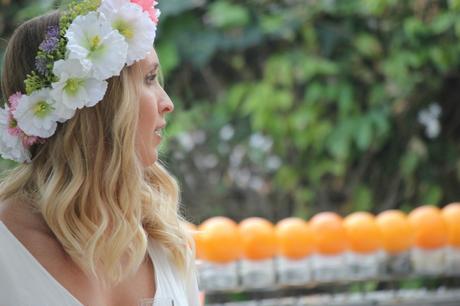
(154, 67)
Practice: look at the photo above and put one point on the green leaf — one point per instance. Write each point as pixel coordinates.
(199, 48)
(313, 93)
(431, 194)
(339, 142)
(225, 14)
(236, 95)
(279, 70)
(414, 28)
(176, 7)
(363, 133)
(380, 122)
(271, 23)
(368, 45)
(168, 55)
(408, 163)
(454, 5)
(287, 177)
(362, 199)
(346, 100)
(443, 22)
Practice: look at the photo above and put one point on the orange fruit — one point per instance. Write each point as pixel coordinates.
(451, 215)
(330, 234)
(397, 232)
(197, 238)
(295, 238)
(363, 233)
(258, 238)
(430, 229)
(219, 240)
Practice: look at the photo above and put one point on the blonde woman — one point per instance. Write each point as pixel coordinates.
(89, 217)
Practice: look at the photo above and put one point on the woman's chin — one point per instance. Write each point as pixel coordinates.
(149, 158)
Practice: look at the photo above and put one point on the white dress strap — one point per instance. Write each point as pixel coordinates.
(171, 284)
(24, 281)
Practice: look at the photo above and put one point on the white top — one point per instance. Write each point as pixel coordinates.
(25, 282)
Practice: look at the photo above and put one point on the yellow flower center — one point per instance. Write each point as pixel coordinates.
(124, 28)
(42, 109)
(13, 123)
(72, 86)
(95, 42)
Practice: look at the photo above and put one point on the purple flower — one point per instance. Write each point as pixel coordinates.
(41, 65)
(52, 31)
(49, 44)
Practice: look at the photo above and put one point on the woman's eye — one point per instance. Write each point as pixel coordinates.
(150, 78)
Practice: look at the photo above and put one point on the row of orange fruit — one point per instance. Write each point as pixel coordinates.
(220, 239)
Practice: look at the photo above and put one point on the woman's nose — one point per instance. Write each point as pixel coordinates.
(166, 104)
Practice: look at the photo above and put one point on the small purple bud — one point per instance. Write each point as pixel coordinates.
(50, 43)
(40, 65)
(52, 31)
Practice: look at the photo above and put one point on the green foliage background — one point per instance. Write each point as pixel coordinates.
(289, 107)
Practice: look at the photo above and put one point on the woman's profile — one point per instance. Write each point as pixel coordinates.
(89, 216)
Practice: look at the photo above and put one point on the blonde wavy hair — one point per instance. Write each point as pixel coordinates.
(87, 180)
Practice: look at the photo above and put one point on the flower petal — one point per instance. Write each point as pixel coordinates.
(97, 45)
(11, 147)
(134, 24)
(95, 90)
(112, 57)
(36, 114)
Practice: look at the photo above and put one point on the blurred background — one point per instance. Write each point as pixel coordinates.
(291, 107)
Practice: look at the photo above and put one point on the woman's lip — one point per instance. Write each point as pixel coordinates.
(161, 126)
(158, 136)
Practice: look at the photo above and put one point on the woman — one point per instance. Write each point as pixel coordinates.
(90, 216)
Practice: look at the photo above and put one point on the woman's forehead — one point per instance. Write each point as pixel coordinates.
(151, 61)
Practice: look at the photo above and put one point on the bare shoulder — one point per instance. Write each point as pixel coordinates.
(29, 230)
(26, 228)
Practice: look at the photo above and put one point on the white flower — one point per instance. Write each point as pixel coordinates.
(134, 24)
(75, 88)
(99, 47)
(11, 147)
(36, 114)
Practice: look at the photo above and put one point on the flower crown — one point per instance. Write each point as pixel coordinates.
(94, 40)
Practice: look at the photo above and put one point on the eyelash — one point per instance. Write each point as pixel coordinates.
(150, 78)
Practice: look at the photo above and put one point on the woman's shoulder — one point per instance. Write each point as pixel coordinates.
(26, 228)
(24, 225)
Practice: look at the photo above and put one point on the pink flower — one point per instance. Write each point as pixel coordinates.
(149, 7)
(28, 141)
(13, 128)
(13, 101)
